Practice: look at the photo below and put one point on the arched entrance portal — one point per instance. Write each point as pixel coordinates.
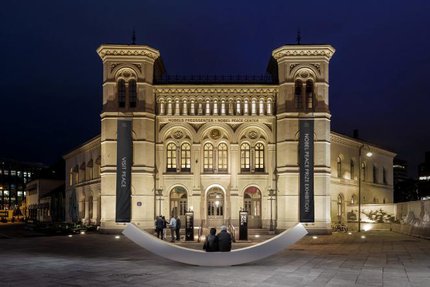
(215, 207)
(252, 204)
(178, 202)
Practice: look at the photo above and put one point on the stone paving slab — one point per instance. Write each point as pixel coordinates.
(383, 258)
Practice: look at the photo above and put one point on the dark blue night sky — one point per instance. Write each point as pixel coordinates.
(51, 76)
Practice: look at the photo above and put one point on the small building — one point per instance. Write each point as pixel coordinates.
(43, 196)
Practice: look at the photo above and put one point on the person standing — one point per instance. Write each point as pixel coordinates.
(164, 227)
(224, 240)
(172, 225)
(159, 225)
(211, 242)
(178, 227)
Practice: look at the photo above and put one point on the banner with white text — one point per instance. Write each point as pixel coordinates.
(123, 171)
(306, 156)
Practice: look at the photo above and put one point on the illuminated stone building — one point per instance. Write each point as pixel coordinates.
(221, 144)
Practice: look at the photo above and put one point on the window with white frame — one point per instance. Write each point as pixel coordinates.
(245, 157)
(208, 157)
(185, 157)
(171, 157)
(259, 157)
(222, 157)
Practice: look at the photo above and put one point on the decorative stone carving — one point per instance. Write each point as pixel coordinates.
(178, 135)
(253, 135)
(292, 66)
(318, 51)
(138, 66)
(126, 74)
(113, 66)
(317, 66)
(215, 134)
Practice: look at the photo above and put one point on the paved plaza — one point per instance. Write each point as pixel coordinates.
(382, 258)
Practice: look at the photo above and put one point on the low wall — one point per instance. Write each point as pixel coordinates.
(414, 218)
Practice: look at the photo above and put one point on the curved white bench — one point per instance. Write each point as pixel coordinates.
(202, 258)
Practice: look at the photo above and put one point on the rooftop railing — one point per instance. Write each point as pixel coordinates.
(218, 79)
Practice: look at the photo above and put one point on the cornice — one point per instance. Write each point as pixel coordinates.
(347, 141)
(326, 51)
(91, 144)
(105, 51)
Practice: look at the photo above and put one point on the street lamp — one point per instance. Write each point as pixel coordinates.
(368, 154)
(272, 194)
(159, 194)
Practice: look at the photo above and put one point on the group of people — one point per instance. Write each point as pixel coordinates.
(213, 242)
(218, 242)
(161, 225)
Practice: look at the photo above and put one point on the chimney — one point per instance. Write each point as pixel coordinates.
(355, 134)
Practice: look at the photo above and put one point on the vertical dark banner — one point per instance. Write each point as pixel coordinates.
(123, 171)
(306, 152)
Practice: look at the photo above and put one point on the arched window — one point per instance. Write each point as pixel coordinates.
(71, 177)
(222, 157)
(208, 157)
(309, 94)
(298, 94)
(363, 171)
(384, 176)
(339, 167)
(121, 93)
(375, 174)
(339, 207)
(186, 157)
(76, 174)
(245, 158)
(351, 169)
(132, 92)
(97, 167)
(259, 157)
(171, 157)
(82, 173)
(89, 170)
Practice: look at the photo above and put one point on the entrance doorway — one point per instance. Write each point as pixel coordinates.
(252, 204)
(215, 207)
(178, 202)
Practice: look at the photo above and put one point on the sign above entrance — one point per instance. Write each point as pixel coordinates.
(212, 120)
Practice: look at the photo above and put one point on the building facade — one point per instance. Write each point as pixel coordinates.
(219, 146)
(424, 177)
(14, 175)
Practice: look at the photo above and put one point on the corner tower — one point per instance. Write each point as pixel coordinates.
(303, 160)
(128, 73)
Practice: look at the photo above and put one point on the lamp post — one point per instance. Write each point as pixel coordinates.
(160, 198)
(271, 198)
(368, 154)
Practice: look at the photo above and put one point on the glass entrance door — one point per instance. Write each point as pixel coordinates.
(215, 207)
(252, 204)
